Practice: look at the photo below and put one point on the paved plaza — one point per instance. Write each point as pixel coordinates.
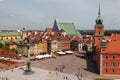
(50, 69)
(40, 74)
(72, 65)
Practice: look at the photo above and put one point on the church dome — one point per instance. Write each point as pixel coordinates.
(99, 20)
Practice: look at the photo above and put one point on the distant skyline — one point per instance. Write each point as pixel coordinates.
(39, 14)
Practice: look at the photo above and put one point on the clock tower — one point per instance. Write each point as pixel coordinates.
(99, 27)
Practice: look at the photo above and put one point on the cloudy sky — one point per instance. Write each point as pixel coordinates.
(39, 14)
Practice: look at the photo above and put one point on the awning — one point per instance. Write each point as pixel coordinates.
(61, 53)
(43, 56)
(69, 52)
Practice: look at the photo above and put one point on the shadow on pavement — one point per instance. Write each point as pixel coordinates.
(91, 66)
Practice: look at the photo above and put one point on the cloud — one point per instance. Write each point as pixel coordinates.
(43, 12)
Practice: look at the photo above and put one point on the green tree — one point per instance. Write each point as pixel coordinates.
(1, 45)
(85, 47)
(4, 47)
(7, 48)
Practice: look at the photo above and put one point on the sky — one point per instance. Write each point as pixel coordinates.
(40, 14)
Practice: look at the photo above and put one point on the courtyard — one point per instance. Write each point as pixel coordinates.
(66, 67)
(85, 67)
(69, 64)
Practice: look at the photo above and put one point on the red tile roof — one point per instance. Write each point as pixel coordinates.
(77, 38)
(108, 37)
(113, 47)
(115, 37)
(8, 53)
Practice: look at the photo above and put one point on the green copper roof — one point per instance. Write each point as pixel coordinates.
(103, 43)
(9, 34)
(103, 40)
(23, 29)
(99, 18)
(79, 34)
(69, 28)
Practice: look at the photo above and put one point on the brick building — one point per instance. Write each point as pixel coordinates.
(106, 50)
(58, 42)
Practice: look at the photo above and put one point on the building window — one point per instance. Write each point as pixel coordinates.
(106, 64)
(106, 56)
(113, 64)
(103, 44)
(11, 38)
(106, 70)
(113, 57)
(15, 37)
(6, 37)
(99, 32)
(113, 70)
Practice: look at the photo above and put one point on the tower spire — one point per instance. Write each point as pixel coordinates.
(99, 27)
(99, 9)
(99, 18)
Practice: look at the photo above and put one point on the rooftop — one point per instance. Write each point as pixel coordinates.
(113, 47)
(69, 28)
(9, 34)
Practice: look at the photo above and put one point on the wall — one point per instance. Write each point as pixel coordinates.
(110, 60)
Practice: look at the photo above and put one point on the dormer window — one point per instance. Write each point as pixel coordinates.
(103, 43)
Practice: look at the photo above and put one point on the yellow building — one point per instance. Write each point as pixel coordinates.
(11, 38)
(8, 36)
(12, 46)
(26, 49)
(42, 47)
(13, 35)
(34, 49)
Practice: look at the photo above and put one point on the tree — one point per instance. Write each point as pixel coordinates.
(4, 47)
(1, 45)
(85, 47)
